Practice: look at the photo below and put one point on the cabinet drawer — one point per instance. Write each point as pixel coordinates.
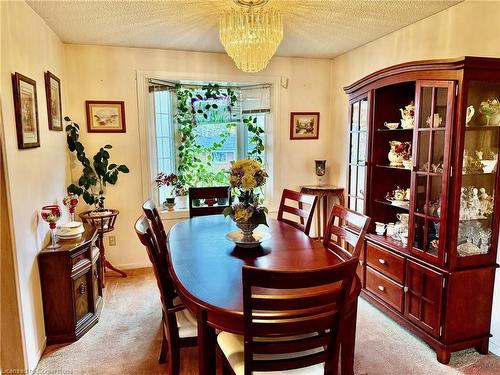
(386, 289)
(388, 263)
(79, 258)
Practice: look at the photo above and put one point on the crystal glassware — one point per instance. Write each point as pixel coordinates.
(51, 214)
(71, 201)
(320, 169)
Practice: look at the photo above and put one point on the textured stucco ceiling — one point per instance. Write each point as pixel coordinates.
(313, 28)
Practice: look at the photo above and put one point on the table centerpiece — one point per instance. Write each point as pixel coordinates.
(246, 176)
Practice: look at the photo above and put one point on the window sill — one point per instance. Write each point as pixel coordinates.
(174, 215)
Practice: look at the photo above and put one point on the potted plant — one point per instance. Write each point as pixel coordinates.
(181, 192)
(96, 174)
(168, 180)
(178, 193)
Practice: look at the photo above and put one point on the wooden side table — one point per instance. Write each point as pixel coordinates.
(323, 192)
(104, 222)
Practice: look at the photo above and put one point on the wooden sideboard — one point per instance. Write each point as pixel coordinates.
(436, 278)
(71, 290)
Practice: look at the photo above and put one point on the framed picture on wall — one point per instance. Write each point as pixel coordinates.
(105, 116)
(26, 111)
(304, 125)
(54, 106)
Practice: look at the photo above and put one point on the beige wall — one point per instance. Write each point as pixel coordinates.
(469, 28)
(36, 176)
(109, 73)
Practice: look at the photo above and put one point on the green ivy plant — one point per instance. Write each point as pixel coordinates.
(96, 173)
(256, 138)
(194, 170)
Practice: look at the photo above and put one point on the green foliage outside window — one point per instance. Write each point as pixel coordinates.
(194, 160)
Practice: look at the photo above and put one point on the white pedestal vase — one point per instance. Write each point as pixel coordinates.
(181, 202)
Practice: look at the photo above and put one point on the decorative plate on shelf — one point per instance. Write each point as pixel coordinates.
(236, 236)
(396, 202)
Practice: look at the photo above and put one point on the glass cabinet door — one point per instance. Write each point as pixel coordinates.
(431, 141)
(477, 226)
(357, 154)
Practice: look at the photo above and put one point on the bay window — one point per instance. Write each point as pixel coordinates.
(200, 129)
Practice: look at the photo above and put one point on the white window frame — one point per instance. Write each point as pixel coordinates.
(147, 136)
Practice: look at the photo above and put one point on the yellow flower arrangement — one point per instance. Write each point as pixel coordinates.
(245, 176)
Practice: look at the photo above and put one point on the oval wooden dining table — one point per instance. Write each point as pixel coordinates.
(206, 271)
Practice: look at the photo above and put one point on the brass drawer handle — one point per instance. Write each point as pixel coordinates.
(381, 288)
(83, 288)
(381, 261)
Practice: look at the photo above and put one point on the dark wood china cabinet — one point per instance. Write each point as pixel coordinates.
(423, 164)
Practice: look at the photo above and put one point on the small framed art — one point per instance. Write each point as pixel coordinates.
(26, 111)
(105, 116)
(54, 106)
(304, 125)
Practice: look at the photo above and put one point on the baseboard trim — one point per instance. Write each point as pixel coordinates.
(494, 348)
(131, 266)
(39, 354)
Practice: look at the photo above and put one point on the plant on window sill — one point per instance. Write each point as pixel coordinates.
(96, 174)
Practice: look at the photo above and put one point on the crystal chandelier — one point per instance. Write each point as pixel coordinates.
(251, 34)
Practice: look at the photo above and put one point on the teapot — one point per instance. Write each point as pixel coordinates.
(407, 116)
(399, 194)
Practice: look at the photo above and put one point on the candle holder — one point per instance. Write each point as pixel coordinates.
(51, 214)
(71, 201)
(320, 169)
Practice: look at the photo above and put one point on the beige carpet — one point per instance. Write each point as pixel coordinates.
(127, 341)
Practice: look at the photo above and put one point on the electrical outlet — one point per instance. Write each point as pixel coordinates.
(112, 240)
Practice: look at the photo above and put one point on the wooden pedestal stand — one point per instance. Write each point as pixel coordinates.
(323, 192)
(104, 222)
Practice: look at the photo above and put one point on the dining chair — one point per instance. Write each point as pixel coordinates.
(344, 234)
(214, 193)
(304, 215)
(156, 224)
(179, 327)
(293, 320)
